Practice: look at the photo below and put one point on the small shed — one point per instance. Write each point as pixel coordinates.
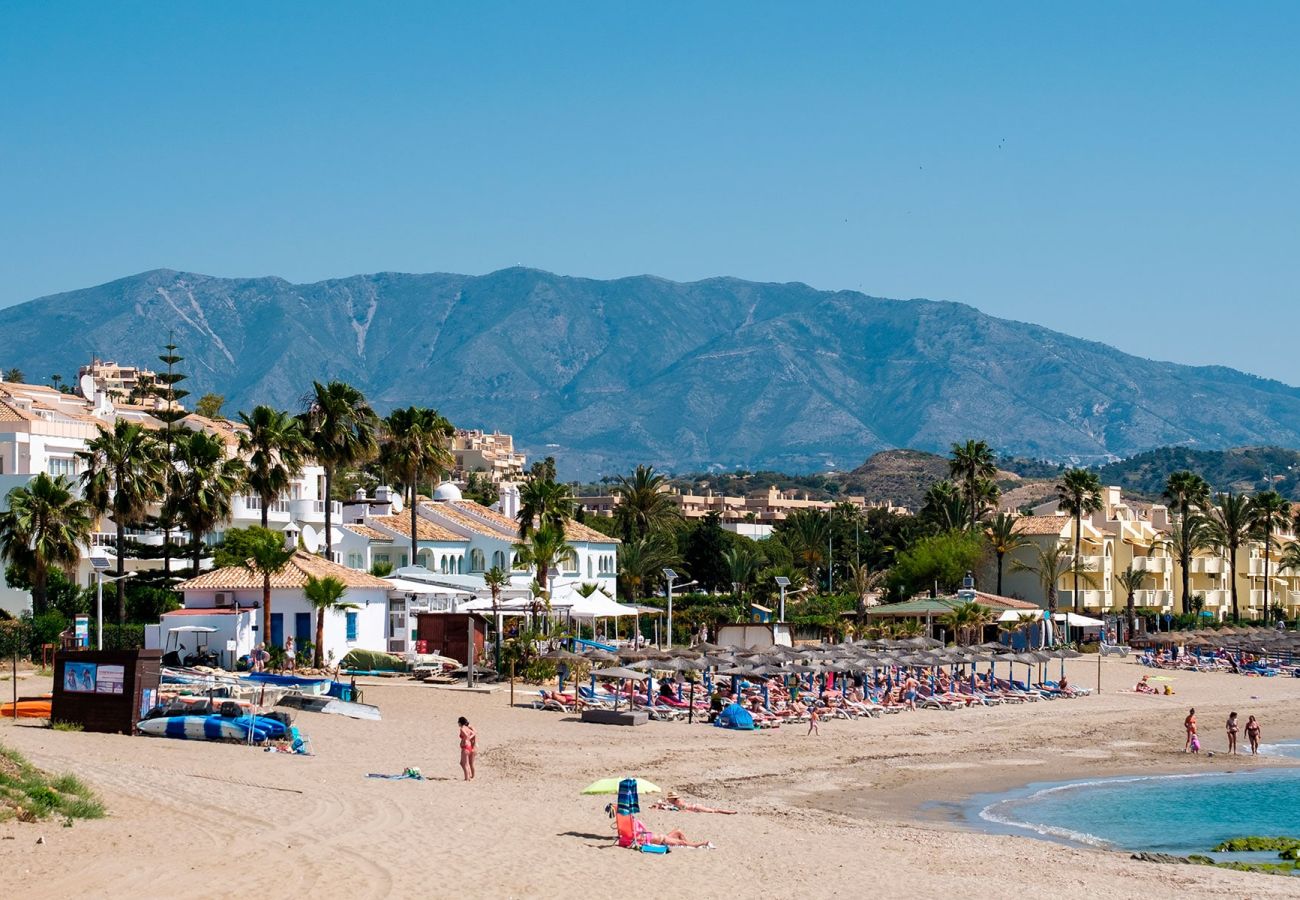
(449, 634)
(105, 690)
(759, 614)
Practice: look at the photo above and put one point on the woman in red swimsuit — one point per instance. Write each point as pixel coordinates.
(468, 747)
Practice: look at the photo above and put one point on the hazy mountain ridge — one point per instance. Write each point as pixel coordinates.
(641, 369)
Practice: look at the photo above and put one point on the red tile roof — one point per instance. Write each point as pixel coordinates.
(293, 575)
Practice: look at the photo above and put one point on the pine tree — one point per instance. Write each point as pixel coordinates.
(170, 413)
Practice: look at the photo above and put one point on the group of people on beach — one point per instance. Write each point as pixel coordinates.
(1193, 744)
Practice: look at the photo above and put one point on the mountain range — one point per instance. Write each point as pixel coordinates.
(606, 374)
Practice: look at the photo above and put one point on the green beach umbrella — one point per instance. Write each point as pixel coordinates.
(610, 786)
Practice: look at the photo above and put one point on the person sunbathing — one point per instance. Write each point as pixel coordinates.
(1145, 687)
(674, 803)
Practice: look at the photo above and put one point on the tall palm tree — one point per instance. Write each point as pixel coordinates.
(276, 450)
(1268, 515)
(543, 503)
(640, 561)
(944, 506)
(1051, 563)
(1230, 525)
(1003, 538)
(201, 482)
(267, 555)
(45, 526)
(544, 548)
(325, 595)
(970, 464)
(341, 427)
(1131, 582)
(807, 534)
(742, 564)
(1188, 495)
(1290, 559)
(1079, 494)
(124, 474)
(415, 447)
(863, 580)
(644, 504)
(496, 579)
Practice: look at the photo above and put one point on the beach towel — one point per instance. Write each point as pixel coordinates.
(411, 773)
(736, 717)
(629, 800)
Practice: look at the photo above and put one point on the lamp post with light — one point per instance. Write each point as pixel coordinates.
(100, 565)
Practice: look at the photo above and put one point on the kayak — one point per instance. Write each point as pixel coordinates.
(297, 682)
(214, 728)
(27, 709)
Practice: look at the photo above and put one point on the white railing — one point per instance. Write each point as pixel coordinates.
(1158, 564)
(1153, 598)
(1208, 565)
(1097, 599)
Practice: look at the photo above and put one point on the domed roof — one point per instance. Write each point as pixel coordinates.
(446, 491)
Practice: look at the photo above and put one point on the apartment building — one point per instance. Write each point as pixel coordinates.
(492, 455)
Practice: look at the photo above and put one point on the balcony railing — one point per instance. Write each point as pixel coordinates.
(1153, 598)
(1208, 565)
(1156, 564)
(1094, 599)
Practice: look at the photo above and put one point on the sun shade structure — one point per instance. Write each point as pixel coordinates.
(620, 672)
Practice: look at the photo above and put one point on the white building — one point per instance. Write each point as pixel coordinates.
(230, 600)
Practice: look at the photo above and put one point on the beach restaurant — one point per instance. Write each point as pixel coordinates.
(929, 611)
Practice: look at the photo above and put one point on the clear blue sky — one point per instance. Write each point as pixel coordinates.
(1125, 172)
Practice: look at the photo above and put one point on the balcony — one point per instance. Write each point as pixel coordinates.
(247, 509)
(1255, 567)
(1092, 599)
(1159, 565)
(1216, 599)
(1208, 565)
(313, 511)
(1161, 599)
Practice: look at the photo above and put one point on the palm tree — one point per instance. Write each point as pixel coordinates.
(1268, 515)
(543, 502)
(341, 427)
(415, 446)
(1188, 494)
(1051, 563)
(640, 561)
(1003, 538)
(267, 555)
(45, 525)
(742, 564)
(944, 506)
(495, 579)
(863, 581)
(1131, 582)
(13, 376)
(545, 547)
(972, 463)
(1290, 558)
(1079, 494)
(275, 448)
(124, 474)
(644, 504)
(200, 485)
(807, 534)
(1229, 528)
(325, 595)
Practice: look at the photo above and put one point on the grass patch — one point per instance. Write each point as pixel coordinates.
(29, 795)
(67, 726)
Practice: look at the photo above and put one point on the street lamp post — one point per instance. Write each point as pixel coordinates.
(671, 576)
(100, 565)
(782, 582)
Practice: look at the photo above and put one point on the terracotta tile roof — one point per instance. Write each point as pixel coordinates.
(477, 514)
(293, 575)
(576, 531)
(1041, 524)
(451, 512)
(478, 510)
(424, 529)
(1007, 602)
(10, 413)
(368, 532)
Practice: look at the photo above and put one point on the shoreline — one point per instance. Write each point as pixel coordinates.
(874, 801)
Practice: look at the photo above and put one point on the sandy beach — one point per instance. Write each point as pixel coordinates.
(871, 806)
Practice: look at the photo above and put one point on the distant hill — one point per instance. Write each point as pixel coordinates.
(1244, 469)
(606, 374)
(898, 476)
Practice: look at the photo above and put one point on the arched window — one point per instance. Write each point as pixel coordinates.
(476, 563)
(498, 559)
(442, 564)
(460, 564)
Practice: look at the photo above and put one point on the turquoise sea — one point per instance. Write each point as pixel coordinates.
(1178, 814)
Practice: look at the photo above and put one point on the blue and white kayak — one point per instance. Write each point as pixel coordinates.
(304, 685)
(213, 728)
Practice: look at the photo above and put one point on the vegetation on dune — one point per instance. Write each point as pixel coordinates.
(30, 795)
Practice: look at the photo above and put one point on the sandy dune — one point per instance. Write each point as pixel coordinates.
(867, 807)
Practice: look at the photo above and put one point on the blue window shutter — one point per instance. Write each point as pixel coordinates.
(352, 626)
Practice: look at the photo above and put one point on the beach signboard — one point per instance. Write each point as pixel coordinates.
(79, 677)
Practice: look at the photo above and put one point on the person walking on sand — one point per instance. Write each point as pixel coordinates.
(1189, 724)
(812, 721)
(468, 747)
(1232, 732)
(1252, 734)
(290, 655)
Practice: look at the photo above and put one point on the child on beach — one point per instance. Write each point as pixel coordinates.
(468, 747)
(1196, 744)
(812, 721)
